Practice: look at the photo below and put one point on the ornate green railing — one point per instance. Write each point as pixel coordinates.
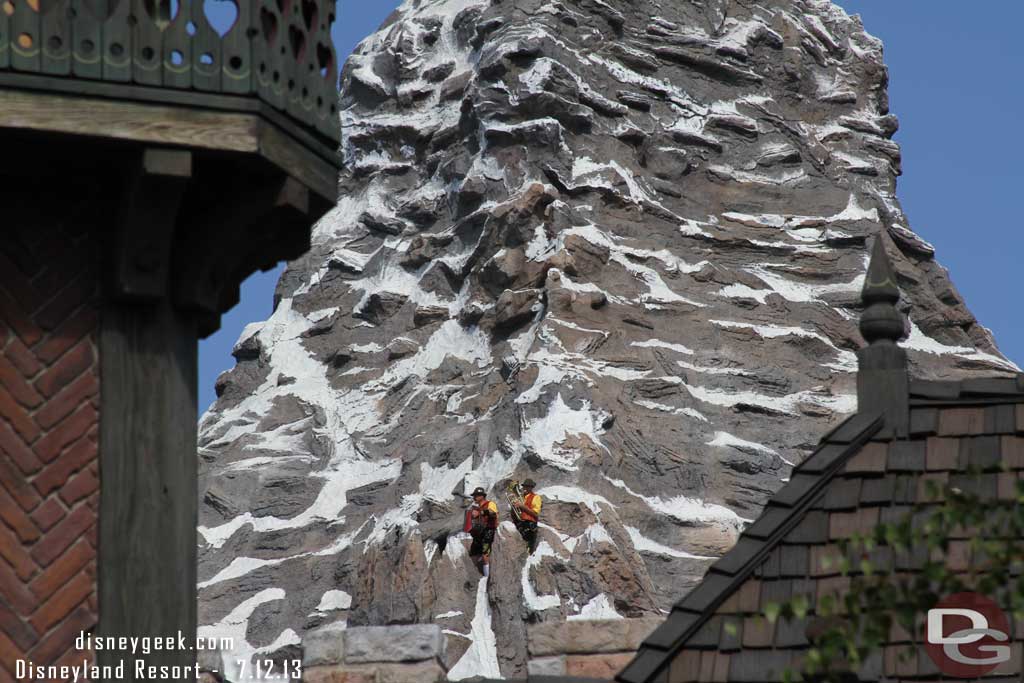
(278, 51)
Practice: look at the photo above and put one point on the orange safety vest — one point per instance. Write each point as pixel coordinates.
(531, 512)
(488, 521)
(491, 520)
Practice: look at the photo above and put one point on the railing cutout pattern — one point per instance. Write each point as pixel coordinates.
(278, 50)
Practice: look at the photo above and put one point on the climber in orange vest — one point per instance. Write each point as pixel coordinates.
(481, 523)
(529, 514)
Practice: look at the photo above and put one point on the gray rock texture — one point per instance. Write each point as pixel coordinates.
(393, 643)
(324, 646)
(612, 245)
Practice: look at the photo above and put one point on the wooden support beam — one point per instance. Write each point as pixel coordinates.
(222, 244)
(186, 126)
(148, 498)
(146, 224)
(149, 123)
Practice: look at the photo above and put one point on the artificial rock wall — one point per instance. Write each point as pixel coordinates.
(614, 246)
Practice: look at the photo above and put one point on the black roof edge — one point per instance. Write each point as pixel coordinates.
(972, 390)
(643, 667)
(848, 430)
(967, 401)
(733, 568)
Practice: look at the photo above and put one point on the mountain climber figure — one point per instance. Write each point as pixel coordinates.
(482, 521)
(529, 513)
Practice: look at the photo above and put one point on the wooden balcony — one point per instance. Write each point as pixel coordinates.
(158, 73)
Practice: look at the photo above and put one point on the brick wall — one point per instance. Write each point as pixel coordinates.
(49, 403)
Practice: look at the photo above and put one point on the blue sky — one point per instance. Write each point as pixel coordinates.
(356, 20)
(954, 83)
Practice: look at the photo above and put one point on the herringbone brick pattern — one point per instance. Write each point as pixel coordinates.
(49, 471)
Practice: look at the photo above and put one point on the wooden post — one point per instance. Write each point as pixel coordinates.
(149, 361)
(148, 502)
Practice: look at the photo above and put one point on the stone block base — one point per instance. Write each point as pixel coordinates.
(602, 666)
(546, 666)
(586, 636)
(374, 654)
(586, 649)
(413, 672)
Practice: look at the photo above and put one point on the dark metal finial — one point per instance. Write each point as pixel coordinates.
(880, 321)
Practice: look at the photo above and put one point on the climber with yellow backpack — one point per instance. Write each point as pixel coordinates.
(481, 523)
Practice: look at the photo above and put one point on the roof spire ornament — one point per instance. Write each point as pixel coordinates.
(880, 321)
(883, 383)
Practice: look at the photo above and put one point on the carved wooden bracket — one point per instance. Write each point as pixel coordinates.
(191, 231)
(145, 226)
(270, 221)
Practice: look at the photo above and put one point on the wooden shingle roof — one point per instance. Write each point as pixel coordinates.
(871, 469)
(785, 510)
(857, 478)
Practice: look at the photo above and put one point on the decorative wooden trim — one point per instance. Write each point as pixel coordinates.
(277, 52)
(159, 124)
(134, 92)
(315, 173)
(142, 94)
(164, 124)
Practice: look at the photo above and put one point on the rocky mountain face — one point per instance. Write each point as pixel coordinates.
(615, 246)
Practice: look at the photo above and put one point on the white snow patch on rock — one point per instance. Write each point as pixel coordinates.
(449, 615)
(644, 544)
(342, 475)
(839, 403)
(692, 510)
(657, 343)
(919, 341)
(661, 407)
(240, 566)
(538, 603)
(793, 290)
(334, 599)
(543, 435)
(481, 659)
(234, 627)
(436, 483)
(847, 360)
(708, 370)
(683, 508)
(572, 494)
(598, 607)
(727, 440)
(596, 533)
